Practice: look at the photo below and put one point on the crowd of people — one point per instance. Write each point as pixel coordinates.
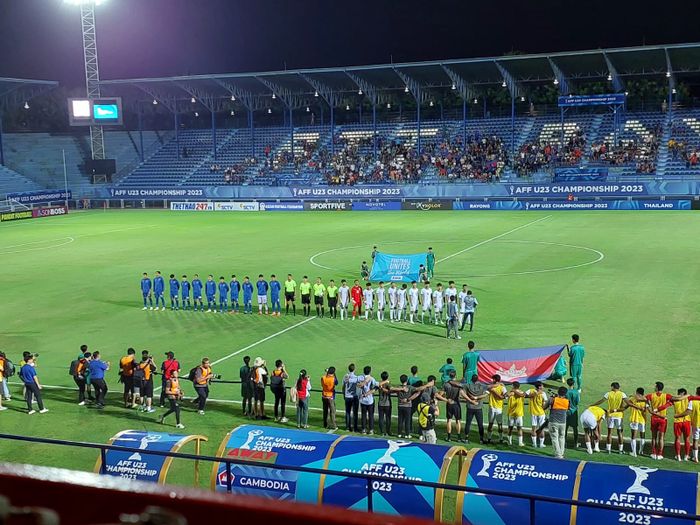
(540, 154)
(641, 151)
(682, 150)
(463, 392)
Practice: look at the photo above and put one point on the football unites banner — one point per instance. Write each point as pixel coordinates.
(141, 465)
(525, 365)
(390, 267)
(398, 459)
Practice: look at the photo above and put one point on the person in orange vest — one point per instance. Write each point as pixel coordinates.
(174, 393)
(202, 378)
(143, 382)
(328, 383)
(558, 408)
(126, 375)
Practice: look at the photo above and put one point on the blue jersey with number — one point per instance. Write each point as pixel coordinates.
(158, 285)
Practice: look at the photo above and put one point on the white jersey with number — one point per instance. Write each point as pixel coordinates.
(368, 296)
(426, 296)
(413, 294)
(437, 300)
(381, 297)
(344, 295)
(401, 298)
(393, 295)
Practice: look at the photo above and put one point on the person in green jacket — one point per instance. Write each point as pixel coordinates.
(430, 262)
(469, 361)
(576, 354)
(572, 414)
(446, 369)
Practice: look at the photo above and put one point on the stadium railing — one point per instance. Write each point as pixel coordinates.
(369, 479)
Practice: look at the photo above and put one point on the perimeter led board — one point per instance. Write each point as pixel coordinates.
(91, 112)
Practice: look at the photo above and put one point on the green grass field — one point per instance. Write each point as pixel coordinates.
(75, 279)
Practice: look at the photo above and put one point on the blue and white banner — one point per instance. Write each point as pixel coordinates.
(591, 100)
(576, 189)
(281, 206)
(391, 267)
(156, 193)
(519, 473)
(38, 197)
(580, 174)
(236, 206)
(609, 205)
(489, 205)
(192, 206)
(376, 206)
(335, 192)
(140, 465)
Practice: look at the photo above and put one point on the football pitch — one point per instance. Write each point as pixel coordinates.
(627, 282)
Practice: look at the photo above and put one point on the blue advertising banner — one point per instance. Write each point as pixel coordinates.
(521, 473)
(376, 206)
(591, 100)
(37, 197)
(636, 487)
(576, 189)
(609, 205)
(137, 465)
(491, 205)
(580, 174)
(273, 445)
(396, 267)
(335, 192)
(281, 206)
(398, 459)
(156, 193)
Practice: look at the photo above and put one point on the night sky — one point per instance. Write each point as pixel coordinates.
(150, 38)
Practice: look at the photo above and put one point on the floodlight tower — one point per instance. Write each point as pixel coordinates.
(92, 70)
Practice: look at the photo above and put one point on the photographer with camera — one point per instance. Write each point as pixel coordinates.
(143, 382)
(78, 369)
(174, 394)
(277, 387)
(202, 377)
(97, 369)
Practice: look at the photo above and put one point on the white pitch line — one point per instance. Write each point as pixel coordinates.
(67, 240)
(492, 239)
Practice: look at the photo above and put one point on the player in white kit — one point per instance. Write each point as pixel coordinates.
(451, 291)
(438, 301)
(393, 301)
(344, 297)
(401, 303)
(413, 299)
(461, 296)
(380, 292)
(426, 297)
(368, 298)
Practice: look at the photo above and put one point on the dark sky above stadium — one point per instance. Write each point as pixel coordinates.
(143, 38)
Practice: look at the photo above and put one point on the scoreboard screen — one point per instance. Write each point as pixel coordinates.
(91, 112)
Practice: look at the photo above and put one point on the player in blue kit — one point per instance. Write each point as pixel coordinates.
(247, 296)
(174, 293)
(159, 290)
(275, 289)
(223, 295)
(197, 292)
(185, 292)
(235, 287)
(263, 287)
(210, 290)
(146, 286)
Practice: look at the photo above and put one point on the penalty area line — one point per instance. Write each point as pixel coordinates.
(491, 239)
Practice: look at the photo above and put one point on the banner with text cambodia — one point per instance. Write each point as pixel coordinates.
(525, 365)
(396, 267)
(334, 192)
(155, 193)
(36, 197)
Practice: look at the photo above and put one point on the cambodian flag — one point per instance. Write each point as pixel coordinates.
(525, 365)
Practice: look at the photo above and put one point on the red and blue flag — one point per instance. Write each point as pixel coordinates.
(525, 365)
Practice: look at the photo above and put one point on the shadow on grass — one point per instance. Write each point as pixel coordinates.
(414, 330)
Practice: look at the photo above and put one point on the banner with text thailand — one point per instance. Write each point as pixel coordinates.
(591, 100)
(396, 267)
(334, 192)
(36, 197)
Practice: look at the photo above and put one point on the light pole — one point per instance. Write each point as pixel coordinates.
(92, 70)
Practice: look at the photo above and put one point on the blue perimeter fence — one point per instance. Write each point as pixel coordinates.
(369, 479)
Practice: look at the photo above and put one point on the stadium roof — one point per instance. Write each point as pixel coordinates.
(297, 87)
(15, 91)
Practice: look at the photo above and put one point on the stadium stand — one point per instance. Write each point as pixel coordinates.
(11, 181)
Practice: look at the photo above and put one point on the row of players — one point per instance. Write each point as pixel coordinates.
(404, 302)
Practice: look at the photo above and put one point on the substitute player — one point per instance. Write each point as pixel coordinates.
(658, 419)
(380, 293)
(344, 297)
(223, 295)
(616, 406)
(235, 290)
(364, 271)
(430, 262)
(319, 294)
(422, 274)
(438, 301)
(393, 302)
(413, 299)
(590, 421)
(210, 290)
(174, 292)
(290, 288)
(426, 300)
(197, 293)
(682, 409)
(262, 287)
(638, 420)
(537, 397)
(146, 286)
(356, 295)
(159, 290)
(332, 293)
(185, 292)
(368, 299)
(516, 412)
(497, 393)
(305, 290)
(576, 354)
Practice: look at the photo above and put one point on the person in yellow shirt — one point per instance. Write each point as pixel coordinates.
(290, 286)
(497, 393)
(538, 398)
(682, 409)
(305, 290)
(638, 419)
(126, 375)
(516, 411)
(616, 406)
(319, 294)
(328, 383)
(590, 421)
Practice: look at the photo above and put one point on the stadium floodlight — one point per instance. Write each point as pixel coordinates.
(609, 77)
(556, 81)
(196, 113)
(26, 105)
(274, 96)
(454, 86)
(476, 101)
(522, 99)
(316, 94)
(233, 113)
(81, 2)
(503, 84)
(193, 100)
(668, 74)
(405, 90)
(359, 92)
(233, 98)
(308, 109)
(347, 107)
(627, 93)
(269, 111)
(388, 105)
(431, 104)
(673, 91)
(155, 102)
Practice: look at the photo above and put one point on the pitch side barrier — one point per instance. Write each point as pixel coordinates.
(259, 461)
